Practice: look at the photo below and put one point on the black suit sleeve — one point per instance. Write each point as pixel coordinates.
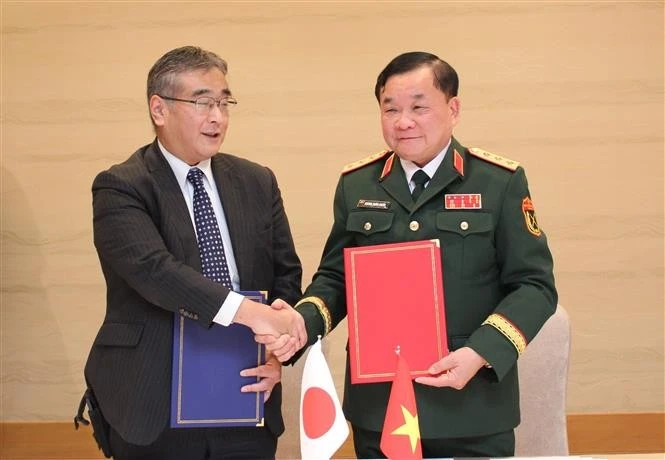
(129, 235)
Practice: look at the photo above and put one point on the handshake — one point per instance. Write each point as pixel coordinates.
(280, 328)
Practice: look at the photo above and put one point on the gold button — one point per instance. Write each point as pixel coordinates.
(414, 225)
(367, 226)
(464, 225)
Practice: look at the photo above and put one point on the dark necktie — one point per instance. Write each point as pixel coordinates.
(211, 247)
(420, 178)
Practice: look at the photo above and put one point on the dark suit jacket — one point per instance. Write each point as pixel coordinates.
(147, 248)
(492, 263)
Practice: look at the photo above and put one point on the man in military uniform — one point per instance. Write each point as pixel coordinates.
(497, 268)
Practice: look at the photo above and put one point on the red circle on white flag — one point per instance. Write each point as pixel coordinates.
(318, 412)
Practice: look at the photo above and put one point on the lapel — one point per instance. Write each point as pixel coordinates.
(173, 207)
(228, 180)
(395, 185)
(444, 176)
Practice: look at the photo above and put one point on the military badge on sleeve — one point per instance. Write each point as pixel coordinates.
(530, 216)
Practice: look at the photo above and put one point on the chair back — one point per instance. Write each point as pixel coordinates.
(543, 377)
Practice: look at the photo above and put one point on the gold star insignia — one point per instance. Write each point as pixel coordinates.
(410, 428)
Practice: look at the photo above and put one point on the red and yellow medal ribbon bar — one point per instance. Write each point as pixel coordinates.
(463, 201)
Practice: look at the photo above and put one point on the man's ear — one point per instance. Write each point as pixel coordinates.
(158, 110)
(455, 108)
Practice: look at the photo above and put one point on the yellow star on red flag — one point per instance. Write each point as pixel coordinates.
(400, 438)
(410, 428)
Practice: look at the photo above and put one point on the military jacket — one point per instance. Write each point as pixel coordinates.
(497, 269)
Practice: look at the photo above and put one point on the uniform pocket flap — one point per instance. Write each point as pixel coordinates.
(368, 222)
(464, 223)
(119, 334)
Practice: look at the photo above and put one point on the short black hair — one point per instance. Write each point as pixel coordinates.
(445, 77)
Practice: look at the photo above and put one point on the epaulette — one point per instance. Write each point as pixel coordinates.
(510, 165)
(365, 161)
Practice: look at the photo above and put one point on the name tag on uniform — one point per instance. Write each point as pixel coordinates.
(373, 204)
(463, 201)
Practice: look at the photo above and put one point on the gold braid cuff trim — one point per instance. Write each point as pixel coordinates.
(508, 329)
(323, 311)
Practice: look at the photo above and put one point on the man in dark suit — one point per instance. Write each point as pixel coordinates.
(146, 240)
(497, 268)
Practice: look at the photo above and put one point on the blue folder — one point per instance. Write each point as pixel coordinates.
(206, 377)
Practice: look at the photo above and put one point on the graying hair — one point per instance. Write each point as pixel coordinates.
(163, 76)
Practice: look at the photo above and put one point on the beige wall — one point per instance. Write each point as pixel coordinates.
(572, 90)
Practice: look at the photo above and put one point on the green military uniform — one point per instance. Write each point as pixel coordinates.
(498, 282)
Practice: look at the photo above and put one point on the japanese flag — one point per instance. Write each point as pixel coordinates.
(323, 428)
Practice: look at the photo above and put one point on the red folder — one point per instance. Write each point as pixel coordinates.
(394, 295)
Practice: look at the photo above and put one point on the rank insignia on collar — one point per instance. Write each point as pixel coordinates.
(373, 204)
(463, 201)
(388, 166)
(458, 162)
(530, 216)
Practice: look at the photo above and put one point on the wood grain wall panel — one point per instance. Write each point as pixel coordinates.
(572, 90)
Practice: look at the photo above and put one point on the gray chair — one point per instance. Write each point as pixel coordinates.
(543, 376)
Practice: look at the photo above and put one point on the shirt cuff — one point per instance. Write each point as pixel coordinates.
(229, 309)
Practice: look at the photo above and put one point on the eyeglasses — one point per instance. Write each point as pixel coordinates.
(206, 104)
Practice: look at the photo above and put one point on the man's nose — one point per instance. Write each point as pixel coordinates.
(217, 113)
(404, 121)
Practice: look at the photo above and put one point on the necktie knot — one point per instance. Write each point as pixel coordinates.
(195, 176)
(420, 178)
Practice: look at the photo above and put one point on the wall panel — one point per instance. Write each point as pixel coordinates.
(573, 90)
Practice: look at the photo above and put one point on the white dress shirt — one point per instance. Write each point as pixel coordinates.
(430, 168)
(230, 306)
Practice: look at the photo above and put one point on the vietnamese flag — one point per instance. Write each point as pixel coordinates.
(400, 438)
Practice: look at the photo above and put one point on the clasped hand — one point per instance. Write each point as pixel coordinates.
(280, 328)
(283, 346)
